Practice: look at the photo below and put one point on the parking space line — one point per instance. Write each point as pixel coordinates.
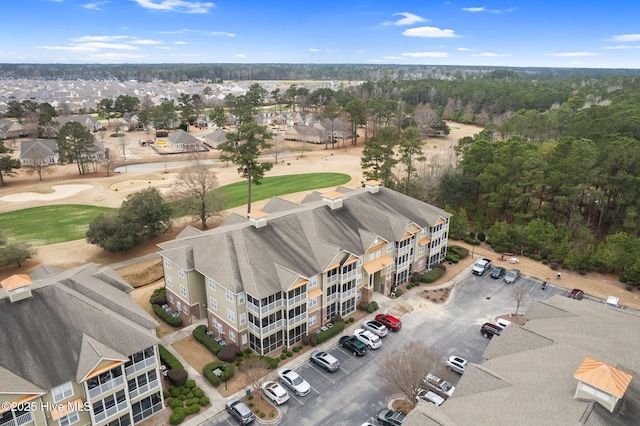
(324, 375)
(344, 370)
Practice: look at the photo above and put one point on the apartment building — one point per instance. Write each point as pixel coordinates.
(266, 280)
(76, 350)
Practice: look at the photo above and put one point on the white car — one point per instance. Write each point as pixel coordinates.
(425, 395)
(503, 322)
(275, 392)
(514, 260)
(438, 384)
(294, 381)
(376, 327)
(457, 364)
(368, 338)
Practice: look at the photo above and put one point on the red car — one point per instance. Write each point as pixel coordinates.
(391, 322)
(576, 293)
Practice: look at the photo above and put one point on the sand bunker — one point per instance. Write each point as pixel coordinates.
(137, 184)
(59, 191)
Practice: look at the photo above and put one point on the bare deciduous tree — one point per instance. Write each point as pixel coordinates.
(196, 189)
(402, 369)
(256, 371)
(38, 165)
(123, 147)
(519, 293)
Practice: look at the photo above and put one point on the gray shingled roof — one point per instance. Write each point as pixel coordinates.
(42, 336)
(539, 360)
(303, 239)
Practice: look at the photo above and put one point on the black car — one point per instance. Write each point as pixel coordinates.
(354, 345)
(498, 272)
(388, 417)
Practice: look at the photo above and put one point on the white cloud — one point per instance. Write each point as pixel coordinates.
(473, 9)
(240, 55)
(407, 19)
(484, 9)
(623, 46)
(147, 42)
(573, 54)
(626, 38)
(465, 49)
(105, 39)
(426, 54)
(176, 5)
(179, 42)
(431, 32)
(221, 33)
(94, 5)
(491, 54)
(314, 50)
(115, 57)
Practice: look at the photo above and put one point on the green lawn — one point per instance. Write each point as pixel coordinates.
(67, 222)
(49, 224)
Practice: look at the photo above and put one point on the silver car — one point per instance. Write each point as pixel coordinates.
(294, 381)
(376, 327)
(512, 276)
(325, 360)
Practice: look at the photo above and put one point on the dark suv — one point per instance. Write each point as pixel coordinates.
(489, 330)
(239, 411)
(353, 345)
(498, 272)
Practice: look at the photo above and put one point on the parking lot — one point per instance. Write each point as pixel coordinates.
(352, 395)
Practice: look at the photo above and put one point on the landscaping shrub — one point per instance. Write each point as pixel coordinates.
(544, 253)
(398, 292)
(191, 384)
(305, 339)
(192, 409)
(363, 305)
(296, 349)
(160, 299)
(174, 403)
(481, 236)
(203, 401)
(178, 416)
(537, 257)
(336, 318)
(177, 377)
(167, 317)
(168, 359)
(313, 340)
(440, 266)
(283, 356)
(200, 334)
(432, 275)
(227, 371)
(370, 308)
(197, 392)
(461, 252)
(555, 266)
(228, 353)
(289, 354)
(323, 336)
(272, 363)
(416, 277)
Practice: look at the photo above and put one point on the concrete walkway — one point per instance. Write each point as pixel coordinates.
(385, 304)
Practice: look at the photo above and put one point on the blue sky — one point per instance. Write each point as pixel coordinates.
(520, 33)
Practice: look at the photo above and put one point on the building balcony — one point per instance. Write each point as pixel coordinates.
(298, 299)
(347, 294)
(20, 420)
(106, 387)
(349, 275)
(332, 297)
(259, 311)
(140, 365)
(297, 319)
(266, 329)
(141, 390)
(111, 411)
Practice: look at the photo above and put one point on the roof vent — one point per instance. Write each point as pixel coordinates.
(258, 219)
(372, 186)
(333, 199)
(18, 287)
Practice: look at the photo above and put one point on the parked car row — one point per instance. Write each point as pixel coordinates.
(510, 276)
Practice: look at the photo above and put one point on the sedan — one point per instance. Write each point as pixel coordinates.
(376, 327)
(457, 364)
(275, 392)
(294, 381)
(425, 395)
(498, 272)
(388, 417)
(512, 276)
(325, 360)
(353, 345)
(576, 293)
(368, 338)
(389, 321)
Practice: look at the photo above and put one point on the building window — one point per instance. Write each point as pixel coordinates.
(313, 282)
(232, 336)
(241, 297)
(69, 419)
(167, 263)
(389, 247)
(231, 316)
(213, 303)
(168, 280)
(212, 284)
(423, 232)
(183, 290)
(313, 321)
(243, 319)
(181, 272)
(420, 263)
(348, 307)
(229, 295)
(244, 339)
(332, 309)
(170, 297)
(313, 302)
(422, 248)
(62, 392)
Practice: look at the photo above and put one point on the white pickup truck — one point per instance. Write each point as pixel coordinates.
(481, 266)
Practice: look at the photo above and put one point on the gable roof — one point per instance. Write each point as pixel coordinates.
(43, 336)
(41, 148)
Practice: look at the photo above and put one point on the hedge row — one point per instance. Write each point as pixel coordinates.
(200, 334)
(167, 317)
(432, 275)
(168, 359)
(227, 372)
(323, 336)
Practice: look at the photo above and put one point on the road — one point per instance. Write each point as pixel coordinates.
(351, 395)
